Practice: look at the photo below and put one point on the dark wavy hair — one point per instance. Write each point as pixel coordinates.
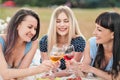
(111, 21)
(12, 33)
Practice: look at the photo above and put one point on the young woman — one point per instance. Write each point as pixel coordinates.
(18, 46)
(102, 51)
(63, 30)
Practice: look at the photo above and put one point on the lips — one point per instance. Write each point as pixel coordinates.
(62, 29)
(30, 36)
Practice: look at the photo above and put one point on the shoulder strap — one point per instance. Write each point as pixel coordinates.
(2, 42)
(28, 47)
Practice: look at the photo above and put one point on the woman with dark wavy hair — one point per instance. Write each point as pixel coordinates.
(21, 42)
(102, 52)
(18, 46)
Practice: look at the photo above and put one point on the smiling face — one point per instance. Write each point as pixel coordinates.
(27, 28)
(103, 35)
(62, 24)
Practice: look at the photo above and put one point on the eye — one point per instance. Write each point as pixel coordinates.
(29, 27)
(66, 21)
(99, 29)
(58, 21)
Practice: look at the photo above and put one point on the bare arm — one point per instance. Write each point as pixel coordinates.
(85, 65)
(17, 73)
(101, 73)
(86, 54)
(44, 56)
(78, 56)
(12, 73)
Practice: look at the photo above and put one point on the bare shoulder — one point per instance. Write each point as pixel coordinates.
(36, 42)
(76, 36)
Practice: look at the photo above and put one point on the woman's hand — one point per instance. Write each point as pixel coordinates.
(47, 65)
(74, 66)
(85, 67)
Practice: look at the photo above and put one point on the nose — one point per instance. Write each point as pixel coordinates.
(62, 23)
(33, 31)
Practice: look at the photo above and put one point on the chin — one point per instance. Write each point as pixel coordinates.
(28, 40)
(98, 42)
(63, 34)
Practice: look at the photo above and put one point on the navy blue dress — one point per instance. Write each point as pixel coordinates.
(78, 43)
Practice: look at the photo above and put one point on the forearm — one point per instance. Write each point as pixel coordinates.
(18, 73)
(44, 56)
(77, 56)
(101, 73)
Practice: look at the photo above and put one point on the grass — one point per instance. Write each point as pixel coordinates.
(85, 17)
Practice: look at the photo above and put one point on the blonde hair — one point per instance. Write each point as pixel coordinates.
(73, 29)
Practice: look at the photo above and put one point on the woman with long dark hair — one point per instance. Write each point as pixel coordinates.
(102, 52)
(18, 46)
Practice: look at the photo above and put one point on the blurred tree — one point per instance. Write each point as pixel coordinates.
(70, 3)
(0, 1)
(95, 3)
(112, 3)
(41, 3)
(26, 2)
(50, 2)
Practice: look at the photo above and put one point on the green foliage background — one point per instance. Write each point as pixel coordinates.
(74, 3)
(85, 17)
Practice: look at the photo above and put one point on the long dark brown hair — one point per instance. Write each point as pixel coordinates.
(12, 33)
(111, 21)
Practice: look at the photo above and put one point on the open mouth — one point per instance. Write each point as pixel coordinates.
(62, 29)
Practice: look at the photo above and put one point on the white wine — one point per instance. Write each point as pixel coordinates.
(55, 58)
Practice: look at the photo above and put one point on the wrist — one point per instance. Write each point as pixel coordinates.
(91, 69)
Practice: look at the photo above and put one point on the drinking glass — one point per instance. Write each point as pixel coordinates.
(56, 53)
(69, 50)
(68, 55)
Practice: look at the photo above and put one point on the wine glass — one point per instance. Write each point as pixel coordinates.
(68, 55)
(69, 52)
(56, 53)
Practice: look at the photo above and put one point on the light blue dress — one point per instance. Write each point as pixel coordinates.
(93, 53)
(27, 49)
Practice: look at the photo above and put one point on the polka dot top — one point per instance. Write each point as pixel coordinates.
(78, 43)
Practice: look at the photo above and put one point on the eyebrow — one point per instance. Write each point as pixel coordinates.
(63, 19)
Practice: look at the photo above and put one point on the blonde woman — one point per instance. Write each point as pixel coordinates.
(63, 30)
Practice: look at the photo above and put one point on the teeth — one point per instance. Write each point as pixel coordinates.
(29, 36)
(62, 29)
